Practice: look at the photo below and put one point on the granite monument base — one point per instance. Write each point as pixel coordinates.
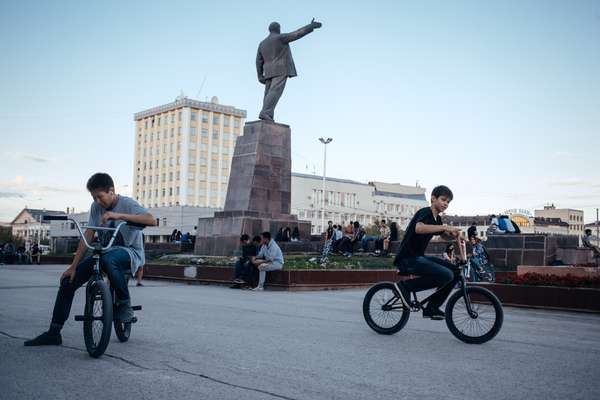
(220, 235)
(258, 194)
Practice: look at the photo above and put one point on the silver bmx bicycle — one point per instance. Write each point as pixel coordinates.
(100, 300)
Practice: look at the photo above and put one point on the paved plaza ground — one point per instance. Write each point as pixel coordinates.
(210, 342)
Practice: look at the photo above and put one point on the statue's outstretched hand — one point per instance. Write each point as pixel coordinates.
(316, 24)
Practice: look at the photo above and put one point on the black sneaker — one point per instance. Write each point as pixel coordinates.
(45, 339)
(124, 311)
(404, 293)
(433, 313)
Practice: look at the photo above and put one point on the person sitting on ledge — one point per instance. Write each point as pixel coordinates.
(587, 243)
(247, 251)
(269, 258)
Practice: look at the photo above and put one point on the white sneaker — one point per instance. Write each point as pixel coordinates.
(258, 289)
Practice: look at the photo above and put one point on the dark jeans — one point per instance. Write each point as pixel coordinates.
(433, 272)
(115, 264)
(245, 271)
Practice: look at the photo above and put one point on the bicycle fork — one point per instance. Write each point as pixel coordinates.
(470, 310)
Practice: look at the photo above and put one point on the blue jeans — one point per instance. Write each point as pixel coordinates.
(115, 264)
(433, 272)
(364, 243)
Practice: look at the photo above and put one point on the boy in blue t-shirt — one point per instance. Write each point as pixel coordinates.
(433, 272)
(126, 256)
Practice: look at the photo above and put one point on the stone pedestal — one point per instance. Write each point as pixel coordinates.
(258, 194)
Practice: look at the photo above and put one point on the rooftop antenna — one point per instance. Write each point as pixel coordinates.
(201, 87)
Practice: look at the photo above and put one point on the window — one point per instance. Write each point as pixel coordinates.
(215, 119)
(164, 192)
(225, 136)
(144, 180)
(156, 163)
(179, 131)
(193, 131)
(191, 176)
(225, 121)
(192, 145)
(236, 122)
(179, 116)
(215, 134)
(204, 132)
(193, 115)
(170, 177)
(170, 191)
(172, 118)
(146, 124)
(177, 188)
(158, 124)
(164, 177)
(171, 147)
(204, 117)
(170, 161)
(164, 148)
(177, 179)
(165, 134)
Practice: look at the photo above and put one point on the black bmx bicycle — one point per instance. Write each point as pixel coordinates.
(100, 300)
(473, 314)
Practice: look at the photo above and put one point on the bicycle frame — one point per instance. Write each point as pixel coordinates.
(417, 305)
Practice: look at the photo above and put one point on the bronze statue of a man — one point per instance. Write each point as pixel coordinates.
(274, 64)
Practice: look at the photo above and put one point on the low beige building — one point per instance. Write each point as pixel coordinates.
(574, 218)
(29, 224)
(347, 200)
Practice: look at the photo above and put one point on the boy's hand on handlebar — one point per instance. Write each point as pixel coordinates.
(453, 231)
(109, 215)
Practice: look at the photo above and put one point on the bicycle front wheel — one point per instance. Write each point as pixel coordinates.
(482, 326)
(383, 309)
(98, 318)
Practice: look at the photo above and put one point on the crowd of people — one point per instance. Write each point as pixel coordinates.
(178, 237)
(23, 253)
(346, 240)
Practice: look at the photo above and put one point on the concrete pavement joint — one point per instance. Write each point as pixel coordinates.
(108, 355)
(182, 371)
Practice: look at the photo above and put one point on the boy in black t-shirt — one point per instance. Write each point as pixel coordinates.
(433, 272)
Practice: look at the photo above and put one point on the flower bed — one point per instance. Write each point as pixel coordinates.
(534, 279)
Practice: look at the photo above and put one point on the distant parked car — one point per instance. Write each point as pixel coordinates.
(44, 249)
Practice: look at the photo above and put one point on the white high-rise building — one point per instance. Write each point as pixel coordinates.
(183, 153)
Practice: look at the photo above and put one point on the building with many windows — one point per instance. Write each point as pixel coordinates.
(183, 153)
(572, 217)
(29, 224)
(347, 200)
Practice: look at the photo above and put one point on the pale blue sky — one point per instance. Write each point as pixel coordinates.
(498, 100)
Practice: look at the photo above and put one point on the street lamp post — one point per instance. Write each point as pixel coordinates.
(325, 143)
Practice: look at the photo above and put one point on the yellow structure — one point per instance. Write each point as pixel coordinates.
(183, 153)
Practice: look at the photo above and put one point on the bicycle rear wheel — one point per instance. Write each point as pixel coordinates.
(383, 309)
(98, 318)
(123, 330)
(488, 319)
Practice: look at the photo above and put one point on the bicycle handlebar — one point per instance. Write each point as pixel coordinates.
(94, 228)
